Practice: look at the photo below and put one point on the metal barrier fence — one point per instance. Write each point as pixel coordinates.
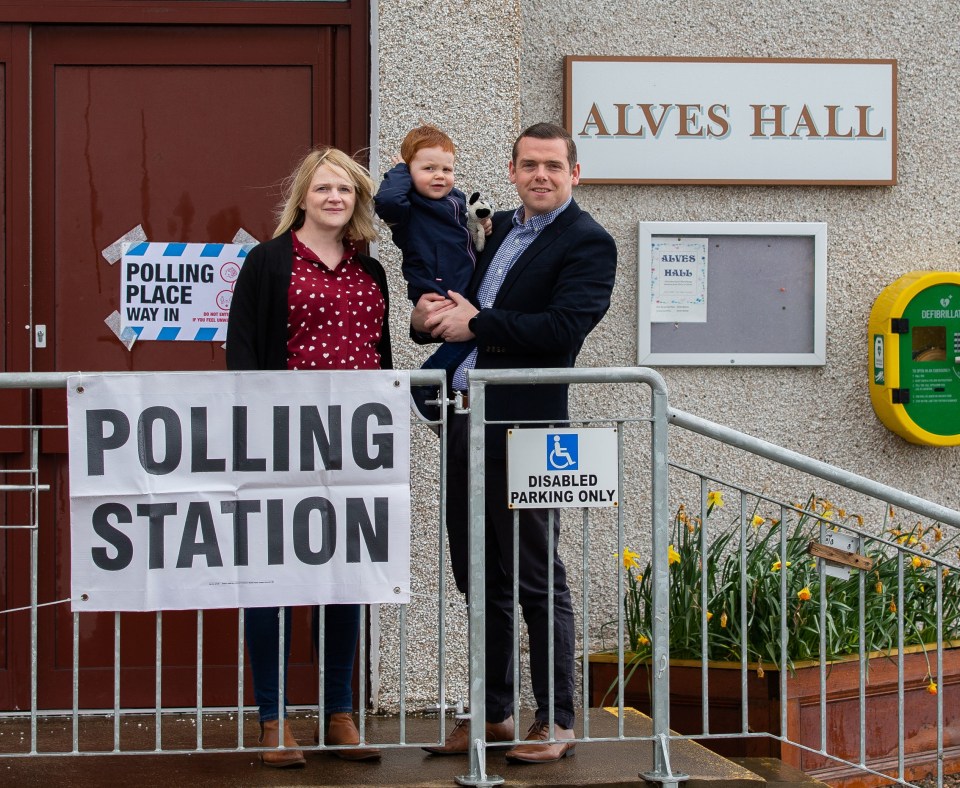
(30, 472)
(902, 607)
(658, 487)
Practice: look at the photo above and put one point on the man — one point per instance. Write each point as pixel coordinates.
(541, 285)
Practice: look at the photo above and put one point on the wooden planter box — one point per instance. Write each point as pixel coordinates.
(803, 711)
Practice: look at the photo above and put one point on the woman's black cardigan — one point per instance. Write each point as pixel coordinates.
(257, 326)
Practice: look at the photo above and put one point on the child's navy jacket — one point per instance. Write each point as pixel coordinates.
(438, 253)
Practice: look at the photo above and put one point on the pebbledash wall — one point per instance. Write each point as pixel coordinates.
(483, 71)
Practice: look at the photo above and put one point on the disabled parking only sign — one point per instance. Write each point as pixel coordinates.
(562, 468)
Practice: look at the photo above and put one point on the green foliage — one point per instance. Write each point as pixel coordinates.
(757, 571)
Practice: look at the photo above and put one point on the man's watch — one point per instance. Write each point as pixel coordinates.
(472, 324)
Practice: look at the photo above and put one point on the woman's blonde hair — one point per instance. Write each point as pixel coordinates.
(361, 226)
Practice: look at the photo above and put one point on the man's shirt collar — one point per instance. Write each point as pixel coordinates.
(541, 220)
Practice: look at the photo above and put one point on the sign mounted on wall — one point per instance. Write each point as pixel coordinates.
(733, 120)
(178, 291)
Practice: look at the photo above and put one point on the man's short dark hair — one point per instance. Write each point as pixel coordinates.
(549, 131)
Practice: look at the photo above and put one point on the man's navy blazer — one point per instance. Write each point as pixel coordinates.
(552, 297)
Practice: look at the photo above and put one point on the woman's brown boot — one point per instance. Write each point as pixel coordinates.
(270, 737)
(343, 730)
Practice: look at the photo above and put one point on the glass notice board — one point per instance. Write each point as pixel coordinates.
(732, 293)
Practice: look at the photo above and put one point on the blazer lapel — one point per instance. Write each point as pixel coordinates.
(547, 236)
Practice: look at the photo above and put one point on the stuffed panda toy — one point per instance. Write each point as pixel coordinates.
(477, 209)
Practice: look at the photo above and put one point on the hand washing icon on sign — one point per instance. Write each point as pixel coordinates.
(562, 452)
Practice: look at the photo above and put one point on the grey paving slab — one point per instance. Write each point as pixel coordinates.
(595, 763)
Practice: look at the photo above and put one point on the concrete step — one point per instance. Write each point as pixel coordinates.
(777, 774)
(597, 763)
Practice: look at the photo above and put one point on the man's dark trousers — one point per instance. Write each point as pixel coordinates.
(533, 588)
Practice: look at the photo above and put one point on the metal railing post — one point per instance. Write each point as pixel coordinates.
(660, 511)
(477, 602)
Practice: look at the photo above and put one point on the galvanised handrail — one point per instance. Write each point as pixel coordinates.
(823, 470)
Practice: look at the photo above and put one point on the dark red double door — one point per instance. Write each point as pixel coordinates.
(184, 128)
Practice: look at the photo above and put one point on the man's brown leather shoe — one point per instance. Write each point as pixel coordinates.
(270, 737)
(343, 730)
(543, 753)
(458, 742)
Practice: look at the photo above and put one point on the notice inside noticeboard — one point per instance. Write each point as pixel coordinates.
(731, 293)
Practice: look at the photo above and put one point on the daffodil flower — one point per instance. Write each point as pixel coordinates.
(917, 563)
(709, 615)
(723, 620)
(714, 499)
(630, 559)
(932, 687)
(673, 557)
(879, 587)
(804, 594)
(643, 640)
(757, 521)
(893, 606)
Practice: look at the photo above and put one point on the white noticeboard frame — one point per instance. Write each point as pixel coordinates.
(562, 467)
(765, 296)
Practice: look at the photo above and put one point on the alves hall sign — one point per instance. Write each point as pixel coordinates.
(733, 121)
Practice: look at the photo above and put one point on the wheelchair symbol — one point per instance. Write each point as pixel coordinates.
(559, 458)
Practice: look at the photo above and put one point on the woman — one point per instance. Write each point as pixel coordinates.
(294, 308)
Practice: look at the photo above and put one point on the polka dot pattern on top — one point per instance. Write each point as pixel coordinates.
(335, 317)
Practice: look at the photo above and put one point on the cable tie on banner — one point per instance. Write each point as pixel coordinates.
(30, 607)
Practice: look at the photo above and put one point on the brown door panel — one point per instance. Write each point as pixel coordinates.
(185, 130)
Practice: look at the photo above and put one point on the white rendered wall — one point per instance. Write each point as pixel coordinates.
(484, 71)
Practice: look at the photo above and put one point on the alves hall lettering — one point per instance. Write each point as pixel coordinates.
(769, 121)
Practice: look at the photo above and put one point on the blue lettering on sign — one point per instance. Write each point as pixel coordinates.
(562, 451)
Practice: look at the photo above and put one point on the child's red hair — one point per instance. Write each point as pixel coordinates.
(426, 136)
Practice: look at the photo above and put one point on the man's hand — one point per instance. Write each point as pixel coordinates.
(450, 323)
(427, 306)
(487, 225)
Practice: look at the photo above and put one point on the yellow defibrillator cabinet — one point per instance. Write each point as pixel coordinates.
(915, 349)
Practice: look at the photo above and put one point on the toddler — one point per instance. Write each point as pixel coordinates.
(427, 217)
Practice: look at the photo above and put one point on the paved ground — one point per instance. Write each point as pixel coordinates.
(609, 763)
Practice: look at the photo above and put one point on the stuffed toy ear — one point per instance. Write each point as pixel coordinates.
(473, 198)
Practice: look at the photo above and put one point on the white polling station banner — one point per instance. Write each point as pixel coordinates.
(178, 291)
(239, 489)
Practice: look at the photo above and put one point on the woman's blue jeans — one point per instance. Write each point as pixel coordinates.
(262, 633)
